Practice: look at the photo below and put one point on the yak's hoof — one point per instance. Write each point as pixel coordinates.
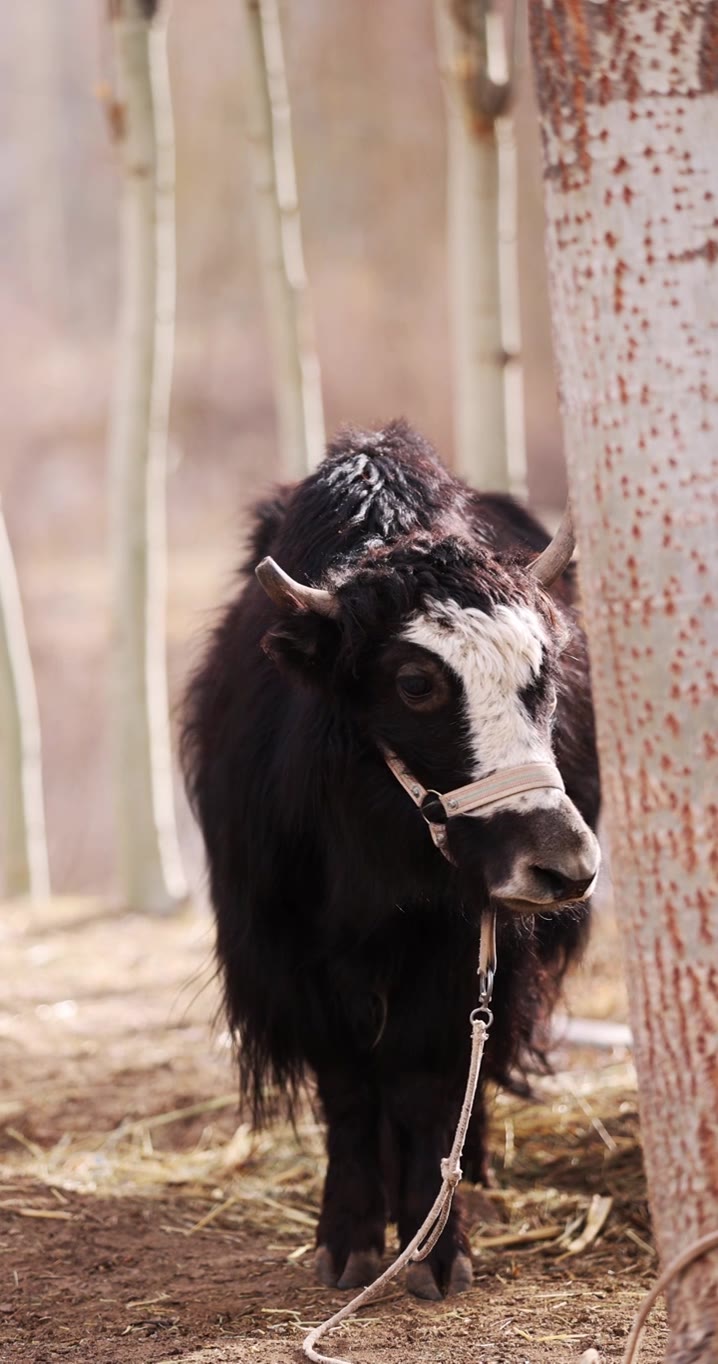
(362, 1268)
(421, 1282)
(461, 1277)
(324, 1270)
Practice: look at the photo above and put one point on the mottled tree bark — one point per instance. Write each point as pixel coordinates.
(149, 862)
(481, 246)
(628, 93)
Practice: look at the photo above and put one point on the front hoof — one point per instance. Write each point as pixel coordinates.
(324, 1271)
(362, 1268)
(461, 1277)
(421, 1282)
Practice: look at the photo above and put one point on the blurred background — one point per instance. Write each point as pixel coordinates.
(369, 138)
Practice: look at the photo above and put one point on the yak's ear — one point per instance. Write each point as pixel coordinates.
(307, 638)
(304, 643)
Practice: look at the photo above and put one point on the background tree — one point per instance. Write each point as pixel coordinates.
(22, 806)
(297, 378)
(481, 245)
(149, 861)
(629, 109)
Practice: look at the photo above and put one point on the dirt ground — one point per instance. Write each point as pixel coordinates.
(141, 1222)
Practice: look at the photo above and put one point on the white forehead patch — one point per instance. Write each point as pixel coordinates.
(495, 656)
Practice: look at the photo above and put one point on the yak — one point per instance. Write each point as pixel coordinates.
(389, 609)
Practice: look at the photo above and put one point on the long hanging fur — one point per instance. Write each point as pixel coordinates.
(338, 924)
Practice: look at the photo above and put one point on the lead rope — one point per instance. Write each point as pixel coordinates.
(694, 1252)
(423, 1242)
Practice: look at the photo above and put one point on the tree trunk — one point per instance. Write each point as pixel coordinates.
(481, 246)
(149, 861)
(297, 379)
(39, 131)
(23, 815)
(629, 108)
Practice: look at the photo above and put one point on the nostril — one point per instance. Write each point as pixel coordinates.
(562, 887)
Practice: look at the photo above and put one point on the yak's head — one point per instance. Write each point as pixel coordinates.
(451, 660)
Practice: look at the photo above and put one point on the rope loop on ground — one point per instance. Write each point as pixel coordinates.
(693, 1252)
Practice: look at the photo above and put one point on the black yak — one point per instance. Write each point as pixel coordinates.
(402, 616)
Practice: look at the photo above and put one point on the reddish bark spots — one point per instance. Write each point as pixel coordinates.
(610, 240)
(604, 88)
(673, 724)
(708, 54)
(710, 745)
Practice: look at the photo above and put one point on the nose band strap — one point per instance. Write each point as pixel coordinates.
(494, 789)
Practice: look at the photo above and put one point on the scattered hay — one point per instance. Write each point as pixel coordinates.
(567, 1178)
(570, 1179)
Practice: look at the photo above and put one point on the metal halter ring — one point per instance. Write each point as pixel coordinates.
(486, 986)
(482, 1015)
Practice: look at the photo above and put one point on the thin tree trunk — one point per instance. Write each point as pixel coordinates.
(481, 246)
(22, 807)
(38, 130)
(149, 861)
(629, 109)
(297, 379)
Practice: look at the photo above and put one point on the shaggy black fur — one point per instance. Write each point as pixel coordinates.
(347, 944)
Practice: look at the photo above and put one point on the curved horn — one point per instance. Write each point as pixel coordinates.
(552, 561)
(284, 591)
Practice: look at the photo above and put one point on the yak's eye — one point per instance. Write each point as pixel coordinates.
(415, 686)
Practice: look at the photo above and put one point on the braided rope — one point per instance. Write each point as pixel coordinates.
(700, 1247)
(423, 1242)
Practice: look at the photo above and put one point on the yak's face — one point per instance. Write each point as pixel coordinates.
(459, 687)
(462, 692)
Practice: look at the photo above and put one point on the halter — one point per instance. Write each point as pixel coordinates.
(494, 789)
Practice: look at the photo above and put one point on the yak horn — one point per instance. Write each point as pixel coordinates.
(552, 561)
(284, 591)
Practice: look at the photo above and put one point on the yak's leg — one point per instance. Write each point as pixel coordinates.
(423, 1116)
(350, 1235)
